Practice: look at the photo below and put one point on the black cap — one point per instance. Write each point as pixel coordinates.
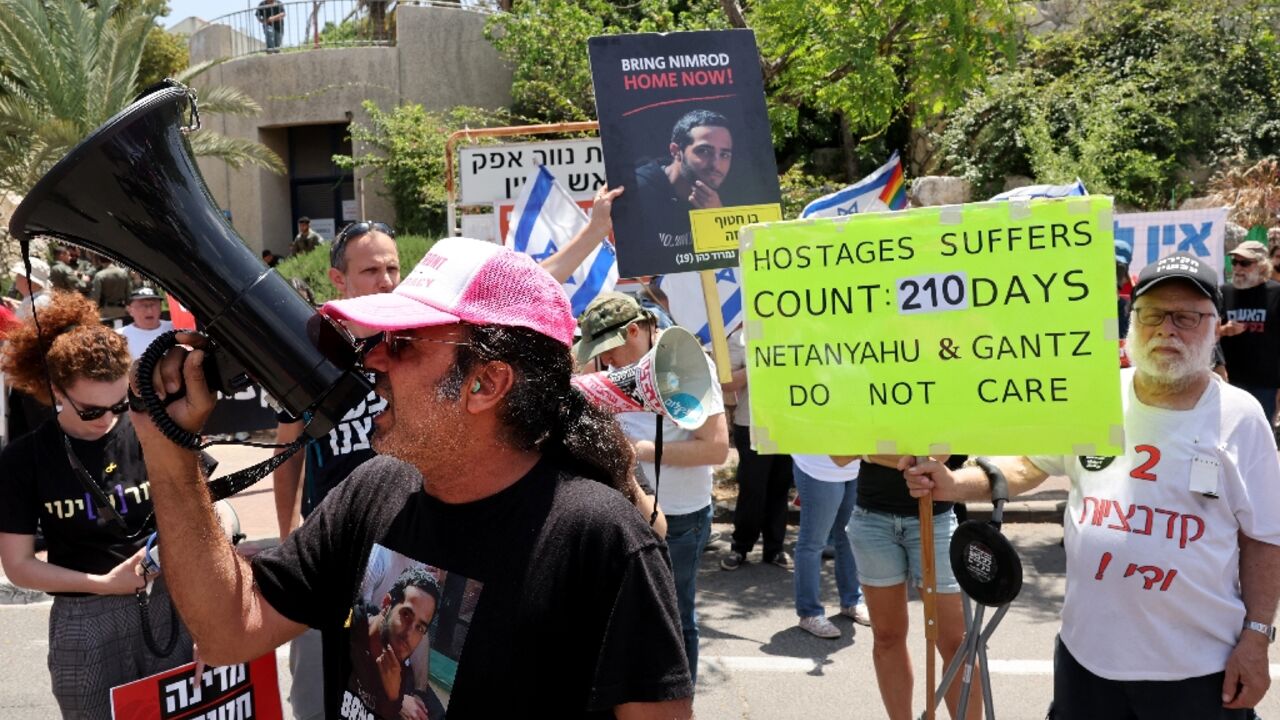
(1180, 266)
(144, 293)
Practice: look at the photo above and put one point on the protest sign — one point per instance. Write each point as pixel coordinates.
(1157, 234)
(984, 328)
(494, 173)
(234, 692)
(684, 128)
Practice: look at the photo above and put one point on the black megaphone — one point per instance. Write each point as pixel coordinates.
(132, 191)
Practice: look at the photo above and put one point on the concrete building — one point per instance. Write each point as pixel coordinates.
(439, 58)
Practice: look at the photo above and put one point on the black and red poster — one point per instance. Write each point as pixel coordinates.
(684, 129)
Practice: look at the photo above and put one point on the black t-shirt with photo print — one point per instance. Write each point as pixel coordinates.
(37, 484)
(576, 608)
(1253, 356)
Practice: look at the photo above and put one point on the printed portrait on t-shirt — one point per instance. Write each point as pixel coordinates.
(408, 626)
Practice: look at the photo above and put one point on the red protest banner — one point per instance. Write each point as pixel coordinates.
(247, 690)
(180, 316)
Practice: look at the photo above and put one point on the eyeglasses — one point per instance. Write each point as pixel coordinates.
(396, 344)
(1242, 262)
(353, 231)
(93, 413)
(1182, 319)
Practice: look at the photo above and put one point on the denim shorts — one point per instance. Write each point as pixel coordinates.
(887, 548)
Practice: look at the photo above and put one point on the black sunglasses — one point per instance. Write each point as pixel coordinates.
(1242, 262)
(93, 413)
(353, 231)
(396, 344)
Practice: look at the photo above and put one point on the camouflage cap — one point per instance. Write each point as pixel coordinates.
(604, 323)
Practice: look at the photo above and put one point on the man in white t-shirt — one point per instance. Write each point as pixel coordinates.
(144, 308)
(617, 331)
(1173, 569)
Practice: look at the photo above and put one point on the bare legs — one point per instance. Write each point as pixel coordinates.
(889, 625)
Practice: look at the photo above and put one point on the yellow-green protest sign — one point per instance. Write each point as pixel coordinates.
(982, 328)
(716, 229)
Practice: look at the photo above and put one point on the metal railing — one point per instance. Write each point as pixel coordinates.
(270, 27)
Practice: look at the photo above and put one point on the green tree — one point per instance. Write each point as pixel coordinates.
(876, 64)
(407, 146)
(68, 67)
(164, 55)
(853, 74)
(546, 43)
(1136, 100)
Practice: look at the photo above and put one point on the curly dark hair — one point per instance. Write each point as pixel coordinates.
(681, 133)
(72, 345)
(419, 578)
(543, 411)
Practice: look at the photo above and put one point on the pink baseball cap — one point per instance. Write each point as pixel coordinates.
(466, 280)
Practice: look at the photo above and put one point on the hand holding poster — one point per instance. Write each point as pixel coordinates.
(247, 690)
(685, 131)
(984, 328)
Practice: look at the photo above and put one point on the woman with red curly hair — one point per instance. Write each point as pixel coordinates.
(80, 476)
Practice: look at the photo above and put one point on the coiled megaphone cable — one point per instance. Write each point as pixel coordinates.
(155, 407)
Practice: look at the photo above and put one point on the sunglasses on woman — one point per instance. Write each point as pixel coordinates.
(90, 414)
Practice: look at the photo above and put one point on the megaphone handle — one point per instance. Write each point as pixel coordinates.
(657, 468)
(150, 399)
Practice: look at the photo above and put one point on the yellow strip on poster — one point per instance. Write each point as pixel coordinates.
(983, 328)
(716, 229)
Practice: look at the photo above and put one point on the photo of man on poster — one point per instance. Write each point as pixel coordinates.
(700, 157)
(385, 636)
(684, 128)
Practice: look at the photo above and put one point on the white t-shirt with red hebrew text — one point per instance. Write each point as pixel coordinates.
(1153, 561)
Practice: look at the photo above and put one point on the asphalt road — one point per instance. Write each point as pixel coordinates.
(755, 662)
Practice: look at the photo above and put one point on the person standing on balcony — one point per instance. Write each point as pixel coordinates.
(271, 14)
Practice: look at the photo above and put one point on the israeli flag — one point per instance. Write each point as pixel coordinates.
(689, 310)
(862, 196)
(543, 221)
(1043, 191)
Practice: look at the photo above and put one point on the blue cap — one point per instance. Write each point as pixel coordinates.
(1124, 251)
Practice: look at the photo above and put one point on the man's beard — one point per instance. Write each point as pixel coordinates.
(1253, 277)
(691, 176)
(425, 438)
(1171, 373)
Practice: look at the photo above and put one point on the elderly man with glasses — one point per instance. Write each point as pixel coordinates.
(1173, 569)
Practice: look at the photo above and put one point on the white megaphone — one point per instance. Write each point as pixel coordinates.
(673, 380)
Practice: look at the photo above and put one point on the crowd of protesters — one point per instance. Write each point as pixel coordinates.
(486, 413)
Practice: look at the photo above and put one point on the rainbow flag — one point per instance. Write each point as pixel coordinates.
(884, 189)
(894, 193)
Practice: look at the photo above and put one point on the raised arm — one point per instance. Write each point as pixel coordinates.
(211, 584)
(562, 264)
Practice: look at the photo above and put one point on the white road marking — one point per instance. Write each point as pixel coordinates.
(742, 663)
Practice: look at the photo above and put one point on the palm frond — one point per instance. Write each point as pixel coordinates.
(228, 100)
(70, 65)
(235, 152)
(194, 71)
